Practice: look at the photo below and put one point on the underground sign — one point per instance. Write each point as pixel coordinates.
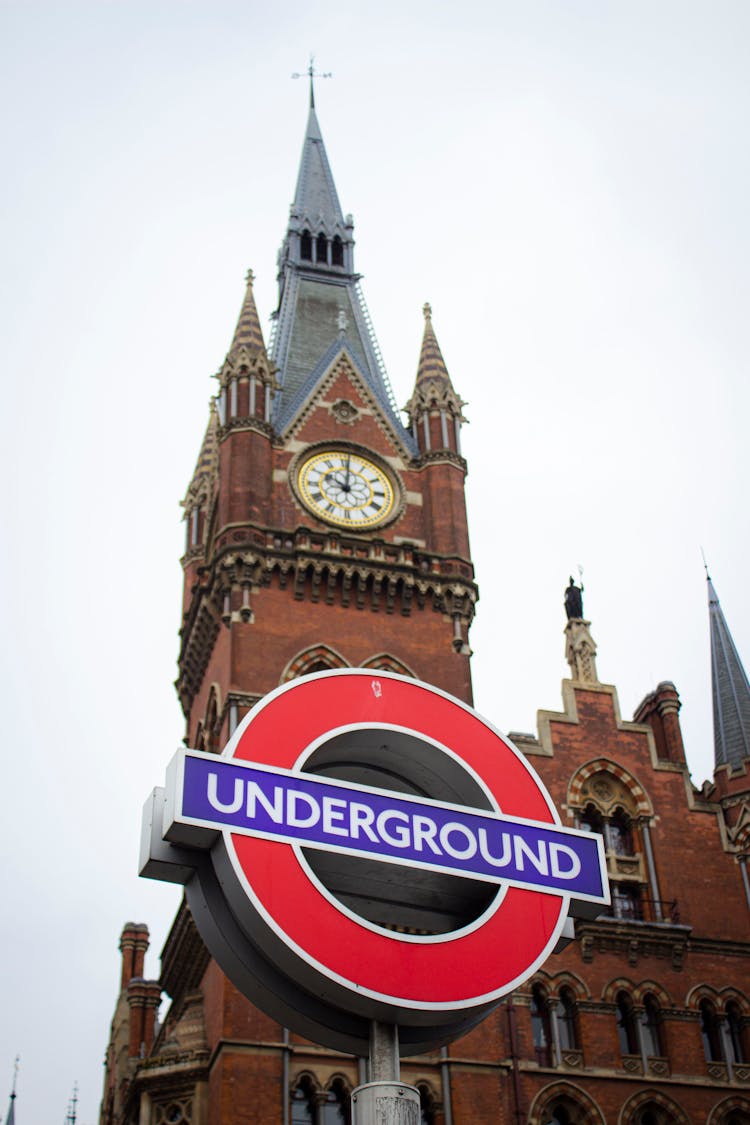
(368, 847)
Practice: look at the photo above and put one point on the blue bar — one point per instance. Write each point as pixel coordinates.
(303, 809)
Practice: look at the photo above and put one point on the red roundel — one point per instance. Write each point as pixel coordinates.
(447, 971)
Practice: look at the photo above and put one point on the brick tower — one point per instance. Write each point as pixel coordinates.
(321, 533)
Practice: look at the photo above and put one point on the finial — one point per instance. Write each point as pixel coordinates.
(705, 564)
(313, 73)
(16, 1065)
(250, 278)
(427, 310)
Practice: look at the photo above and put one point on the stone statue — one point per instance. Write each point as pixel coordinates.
(574, 601)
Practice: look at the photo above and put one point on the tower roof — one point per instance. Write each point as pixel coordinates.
(731, 691)
(315, 197)
(431, 362)
(201, 486)
(248, 332)
(320, 298)
(433, 384)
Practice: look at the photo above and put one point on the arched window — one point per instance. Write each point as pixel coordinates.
(710, 1032)
(321, 248)
(626, 1032)
(621, 833)
(337, 251)
(540, 1027)
(303, 1111)
(735, 1032)
(565, 1018)
(650, 1033)
(305, 251)
(559, 1116)
(335, 1108)
(426, 1105)
(592, 820)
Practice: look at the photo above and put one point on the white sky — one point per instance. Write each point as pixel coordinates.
(566, 183)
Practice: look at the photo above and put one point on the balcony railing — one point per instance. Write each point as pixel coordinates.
(645, 910)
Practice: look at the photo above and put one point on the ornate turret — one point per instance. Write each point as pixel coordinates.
(580, 647)
(731, 691)
(434, 409)
(200, 493)
(247, 377)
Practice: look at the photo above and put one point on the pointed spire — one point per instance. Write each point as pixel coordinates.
(431, 362)
(248, 333)
(316, 203)
(201, 487)
(731, 691)
(434, 402)
(317, 289)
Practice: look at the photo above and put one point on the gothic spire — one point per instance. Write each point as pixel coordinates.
(248, 333)
(431, 362)
(731, 691)
(315, 197)
(201, 487)
(434, 404)
(319, 292)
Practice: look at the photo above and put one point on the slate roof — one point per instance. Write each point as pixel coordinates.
(731, 690)
(317, 298)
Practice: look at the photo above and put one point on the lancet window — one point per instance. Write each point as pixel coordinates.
(334, 1108)
(541, 1029)
(626, 1025)
(722, 1033)
(613, 804)
(554, 1025)
(639, 1030)
(303, 1104)
(305, 249)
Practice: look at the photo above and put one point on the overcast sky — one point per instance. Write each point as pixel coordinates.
(566, 183)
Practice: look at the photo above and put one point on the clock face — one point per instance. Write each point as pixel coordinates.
(343, 487)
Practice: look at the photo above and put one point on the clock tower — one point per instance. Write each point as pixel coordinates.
(322, 532)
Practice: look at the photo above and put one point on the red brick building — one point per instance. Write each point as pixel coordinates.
(323, 533)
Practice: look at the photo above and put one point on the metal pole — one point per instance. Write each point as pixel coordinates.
(385, 1100)
(385, 1065)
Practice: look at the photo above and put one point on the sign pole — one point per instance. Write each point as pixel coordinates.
(384, 1060)
(385, 1099)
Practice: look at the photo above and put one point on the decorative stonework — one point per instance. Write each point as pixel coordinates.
(634, 940)
(325, 566)
(344, 411)
(580, 651)
(443, 455)
(176, 1111)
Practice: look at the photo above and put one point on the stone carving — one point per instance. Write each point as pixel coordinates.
(580, 651)
(344, 411)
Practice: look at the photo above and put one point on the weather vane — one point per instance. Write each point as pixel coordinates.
(312, 73)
